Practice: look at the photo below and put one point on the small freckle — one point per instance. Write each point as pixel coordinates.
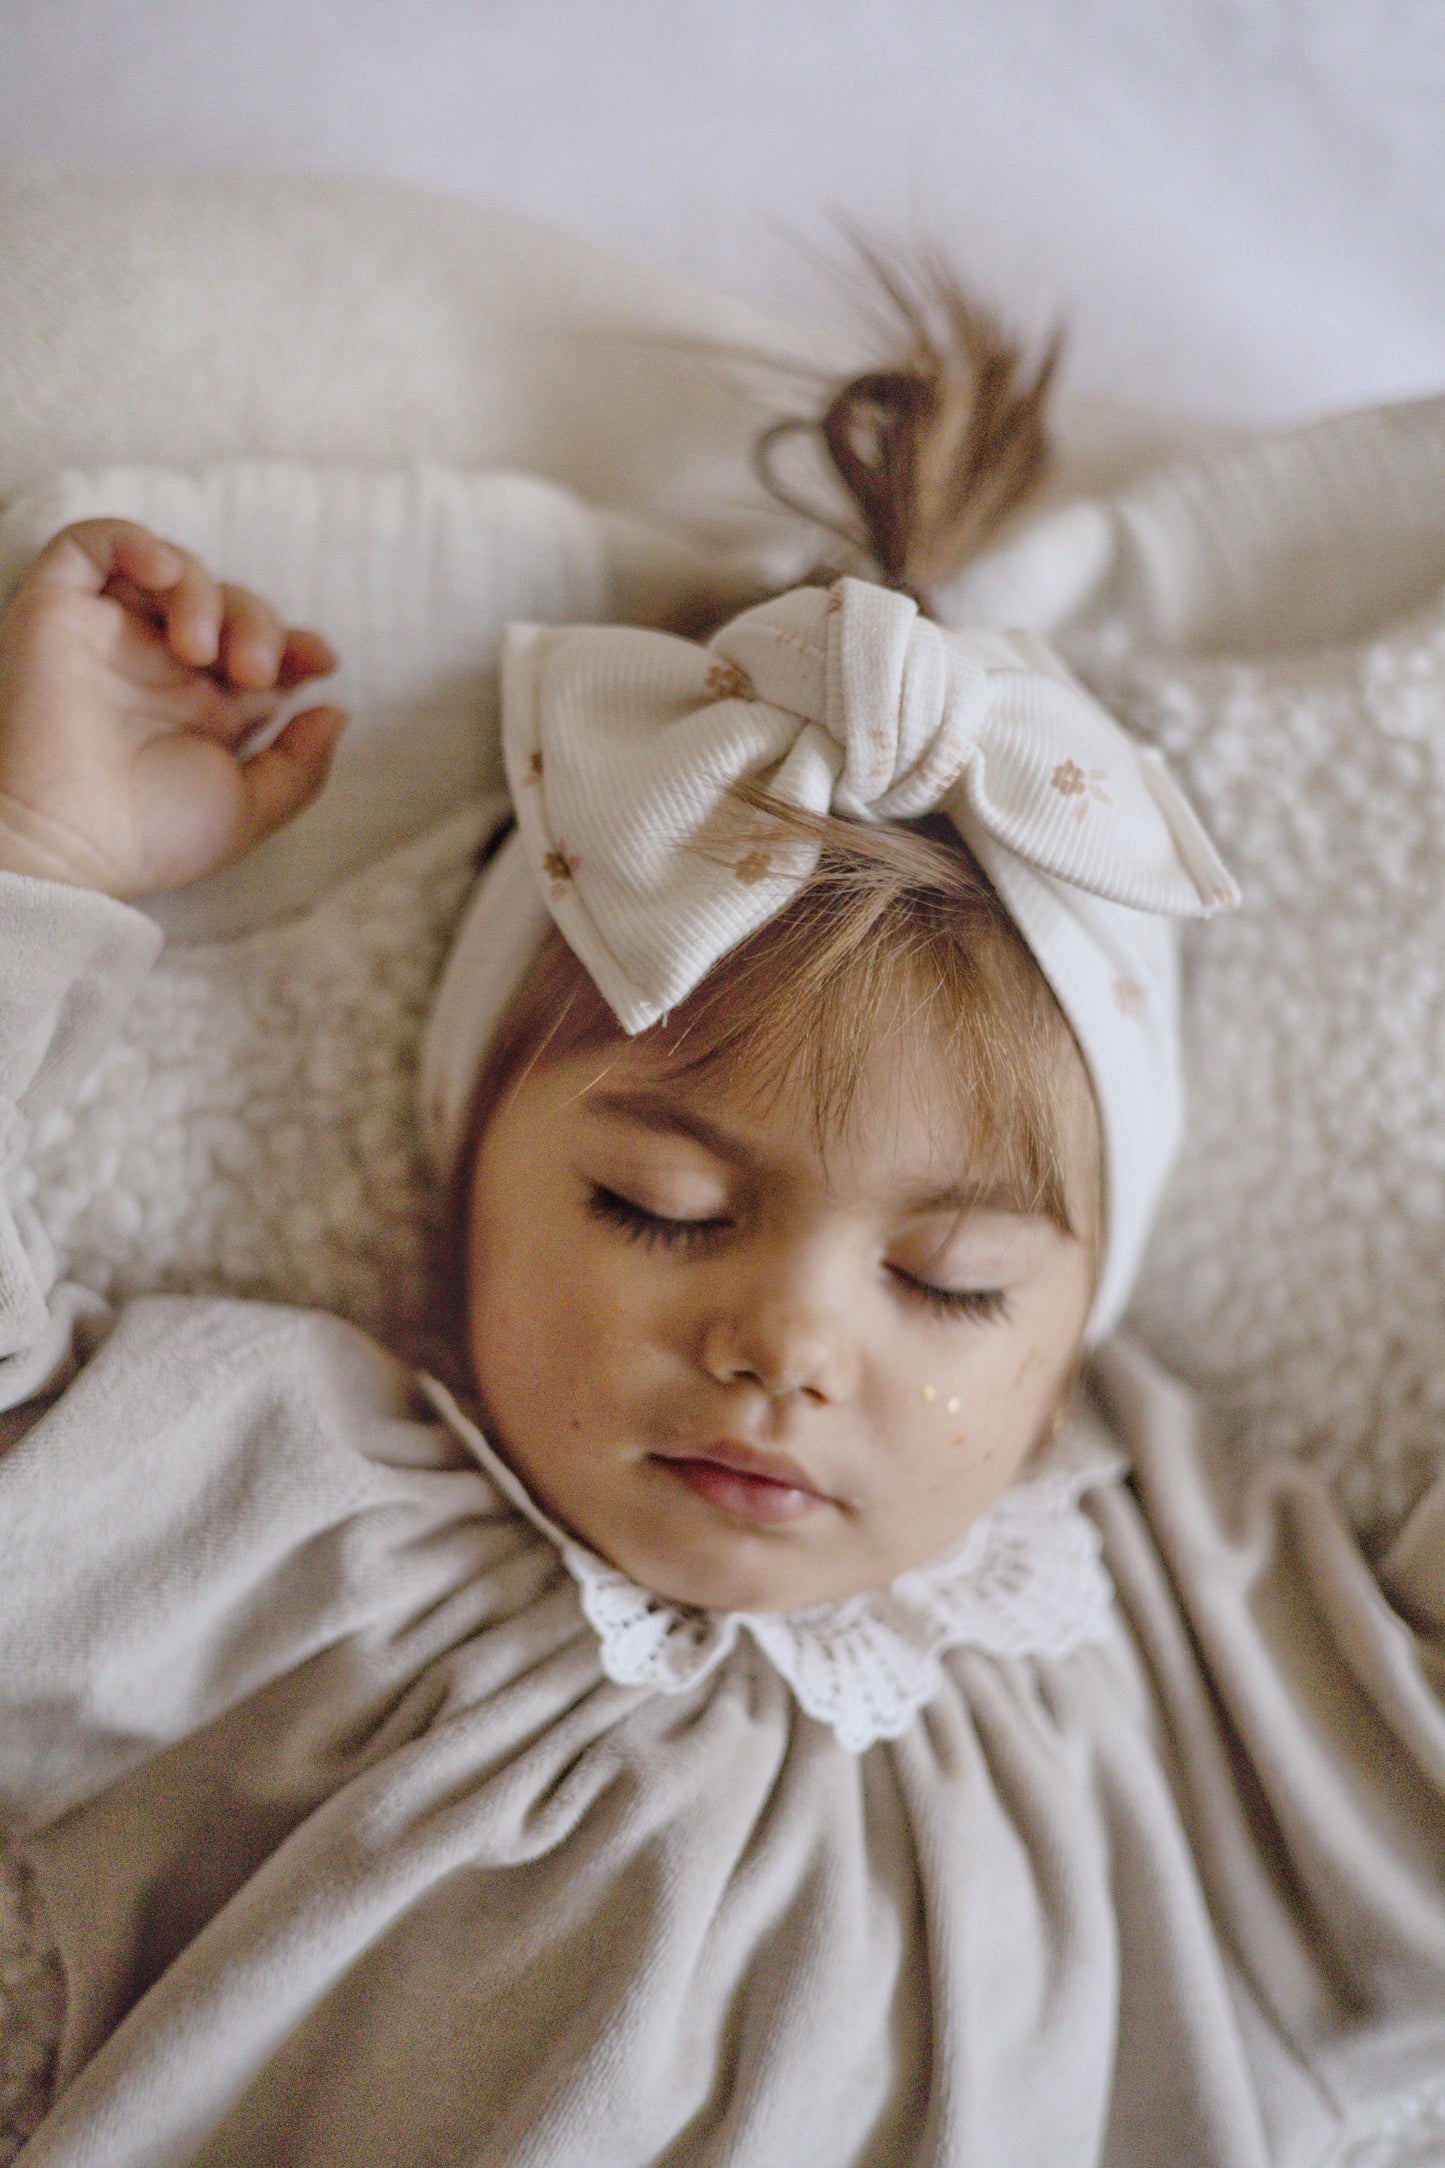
(930, 1392)
(953, 1404)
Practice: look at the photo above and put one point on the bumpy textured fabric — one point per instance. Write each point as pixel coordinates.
(1296, 1269)
(250, 1127)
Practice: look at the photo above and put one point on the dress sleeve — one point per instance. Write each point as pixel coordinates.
(70, 963)
(235, 1521)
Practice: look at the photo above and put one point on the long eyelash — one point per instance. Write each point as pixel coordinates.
(651, 1229)
(980, 1303)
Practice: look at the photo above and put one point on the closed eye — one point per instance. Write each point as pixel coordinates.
(652, 1229)
(982, 1304)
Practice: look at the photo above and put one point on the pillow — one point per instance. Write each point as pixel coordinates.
(187, 319)
(412, 576)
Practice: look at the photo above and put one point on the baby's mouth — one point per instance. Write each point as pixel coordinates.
(761, 1489)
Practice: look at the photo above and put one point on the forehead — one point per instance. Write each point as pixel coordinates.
(904, 1132)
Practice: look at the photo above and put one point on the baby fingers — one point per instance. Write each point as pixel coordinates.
(249, 639)
(259, 661)
(305, 655)
(257, 653)
(287, 776)
(238, 637)
(156, 581)
(206, 623)
(86, 557)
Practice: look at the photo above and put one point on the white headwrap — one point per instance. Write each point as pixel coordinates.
(622, 751)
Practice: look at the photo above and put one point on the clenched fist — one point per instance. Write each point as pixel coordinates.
(128, 678)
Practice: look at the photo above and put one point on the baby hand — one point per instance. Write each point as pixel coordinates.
(128, 677)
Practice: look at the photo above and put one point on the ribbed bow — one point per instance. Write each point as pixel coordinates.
(623, 751)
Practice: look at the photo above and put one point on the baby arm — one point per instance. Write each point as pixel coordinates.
(129, 679)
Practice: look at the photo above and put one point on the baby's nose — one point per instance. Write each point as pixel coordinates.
(785, 1346)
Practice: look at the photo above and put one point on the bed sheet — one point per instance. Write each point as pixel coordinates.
(1239, 204)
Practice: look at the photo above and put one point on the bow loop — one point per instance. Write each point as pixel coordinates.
(624, 750)
(988, 726)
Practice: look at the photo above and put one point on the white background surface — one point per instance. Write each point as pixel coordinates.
(1238, 204)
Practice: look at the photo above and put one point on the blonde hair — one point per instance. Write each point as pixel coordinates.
(936, 448)
(896, 939)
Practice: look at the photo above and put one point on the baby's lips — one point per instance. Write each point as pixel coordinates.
(753, 1461)
(760, 1500)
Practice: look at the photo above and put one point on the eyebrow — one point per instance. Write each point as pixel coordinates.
(972, 1197)
(657, 1111)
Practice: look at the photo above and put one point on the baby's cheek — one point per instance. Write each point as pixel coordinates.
(594, 1351)
(971, 1435)
(967, 1466)
(521, 1345)
(562, 1348)
(1032, 1364)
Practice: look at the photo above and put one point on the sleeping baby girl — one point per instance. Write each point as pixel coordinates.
(704, 1730)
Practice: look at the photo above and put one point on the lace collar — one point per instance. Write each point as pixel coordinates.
(1027, 1580)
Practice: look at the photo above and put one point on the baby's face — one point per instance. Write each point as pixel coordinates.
(753, 1375)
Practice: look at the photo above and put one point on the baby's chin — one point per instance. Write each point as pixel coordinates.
(672, 1537)
(727, 1569)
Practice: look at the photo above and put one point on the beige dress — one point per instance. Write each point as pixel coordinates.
(379, 1823)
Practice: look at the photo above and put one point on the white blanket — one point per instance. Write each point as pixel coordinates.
(1239, 205)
